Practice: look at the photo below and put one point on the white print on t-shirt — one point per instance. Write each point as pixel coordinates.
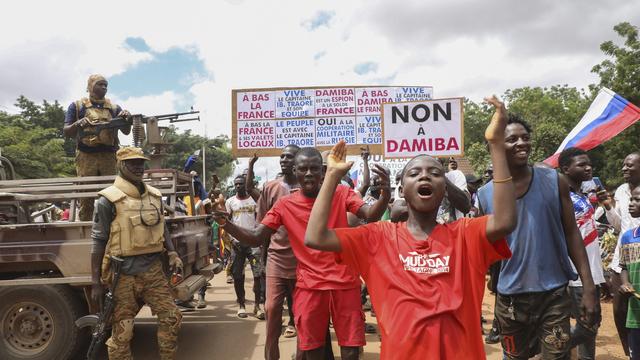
(425, 264)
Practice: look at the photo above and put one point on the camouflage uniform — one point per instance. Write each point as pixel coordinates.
(96, 152)
(128, 223)
(96, 164)
(152, 287)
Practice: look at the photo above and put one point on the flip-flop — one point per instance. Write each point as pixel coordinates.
(290, 332)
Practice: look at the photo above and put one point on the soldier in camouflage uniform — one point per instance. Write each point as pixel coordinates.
(96, 151)
(128, 223)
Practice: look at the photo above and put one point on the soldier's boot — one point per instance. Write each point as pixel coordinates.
(118, 344)
(168, 327)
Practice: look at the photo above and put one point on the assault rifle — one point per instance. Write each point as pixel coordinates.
(135, 122)
(100, 322)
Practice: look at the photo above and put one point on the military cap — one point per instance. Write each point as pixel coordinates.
(129, 153)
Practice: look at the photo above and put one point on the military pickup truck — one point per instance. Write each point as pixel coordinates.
(45, 273)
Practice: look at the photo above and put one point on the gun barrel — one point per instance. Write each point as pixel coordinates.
(181, 120)
(174, 115)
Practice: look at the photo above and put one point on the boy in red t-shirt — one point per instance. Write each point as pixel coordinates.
(323, 287)
(426, 280)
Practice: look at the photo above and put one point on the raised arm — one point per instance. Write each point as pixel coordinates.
(251, 189)
(372, 213)
(366, 178)
(504, 218)
(577, 252)
(318, 236)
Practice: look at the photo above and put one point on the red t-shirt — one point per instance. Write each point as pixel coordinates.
(316, 269)
(427, 293)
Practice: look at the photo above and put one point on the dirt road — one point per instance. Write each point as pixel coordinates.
(217, 333)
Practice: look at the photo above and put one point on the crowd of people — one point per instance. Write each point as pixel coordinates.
(418, 255)
(423, 252)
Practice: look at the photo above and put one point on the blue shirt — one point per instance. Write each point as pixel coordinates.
(70, 118)
(190, 161)
(540, 260)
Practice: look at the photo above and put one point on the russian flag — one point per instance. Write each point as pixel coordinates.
(608, 115)
(354, 177)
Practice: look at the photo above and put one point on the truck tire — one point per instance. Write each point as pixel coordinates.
(37, 322)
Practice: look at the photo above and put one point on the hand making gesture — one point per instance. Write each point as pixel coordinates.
(336, 162)
(495, 131)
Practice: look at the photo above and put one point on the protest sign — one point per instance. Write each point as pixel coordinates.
(266, 120)
(433, 127)
(395, 167)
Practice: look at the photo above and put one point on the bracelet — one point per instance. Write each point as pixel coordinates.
(503, 180)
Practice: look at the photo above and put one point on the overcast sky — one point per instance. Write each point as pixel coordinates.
(165, 58)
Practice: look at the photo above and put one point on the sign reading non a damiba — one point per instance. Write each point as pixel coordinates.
(433, 127)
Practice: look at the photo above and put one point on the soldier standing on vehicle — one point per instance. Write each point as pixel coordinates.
(96, 151)
(128, 223)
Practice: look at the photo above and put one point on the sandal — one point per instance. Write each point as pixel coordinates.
(290, 332)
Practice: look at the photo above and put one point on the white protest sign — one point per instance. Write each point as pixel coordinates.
(433, 127)
(256, 134)
(395, 167)
(256, 106)
(266, 120)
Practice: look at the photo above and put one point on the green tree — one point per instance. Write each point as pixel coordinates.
(35, 152)
(620, 72)
(551, 112)
(476, 118)
(48, 115)
(33, 140)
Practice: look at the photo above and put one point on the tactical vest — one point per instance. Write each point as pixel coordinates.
(89, 136)
(138, 225)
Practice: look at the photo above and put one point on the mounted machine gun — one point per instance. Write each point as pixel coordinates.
(154, 134)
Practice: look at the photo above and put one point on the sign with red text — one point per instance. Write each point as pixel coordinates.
(266, 120)
(433, 127)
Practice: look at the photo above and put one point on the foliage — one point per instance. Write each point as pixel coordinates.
(476, 117)
(553, 112)
(620, 73)
(33, 141)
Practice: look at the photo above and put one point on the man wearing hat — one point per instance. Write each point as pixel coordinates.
(128, 223)
(96, 150)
